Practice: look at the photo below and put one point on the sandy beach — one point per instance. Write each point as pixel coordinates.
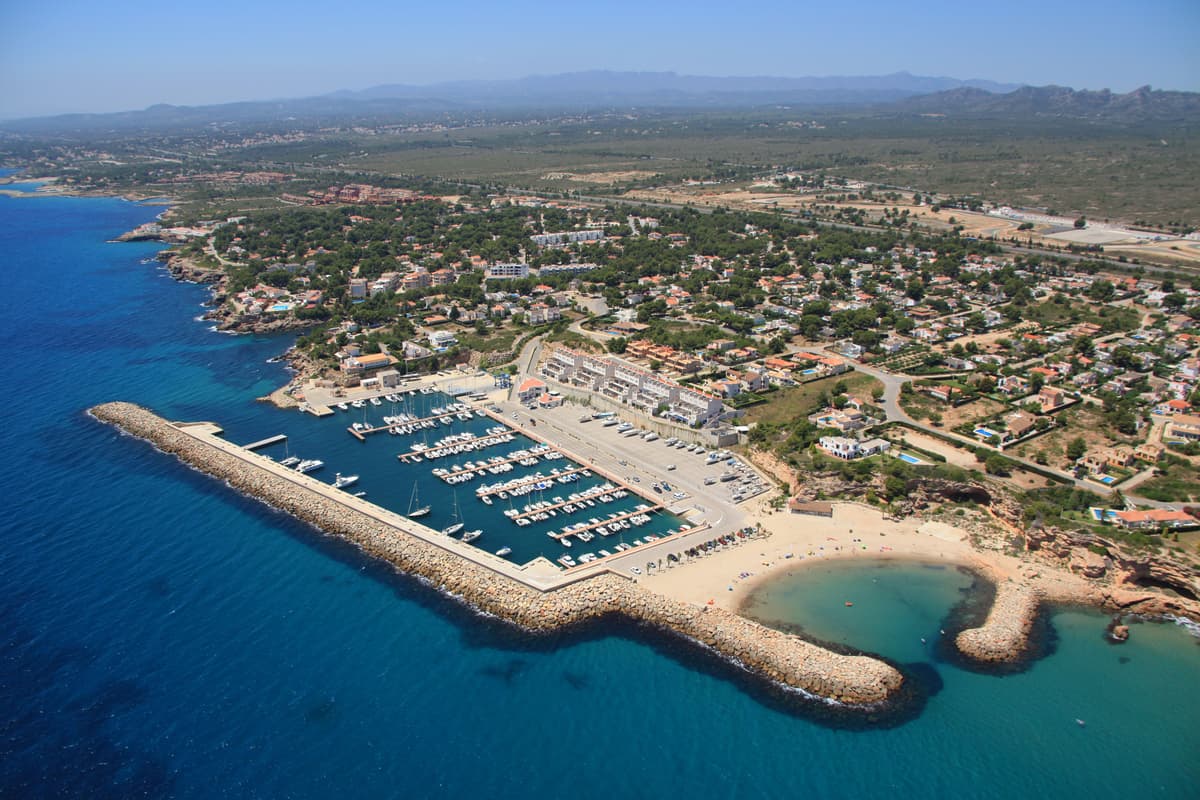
(727, 577)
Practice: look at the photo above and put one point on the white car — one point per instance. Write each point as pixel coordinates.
(670, 467)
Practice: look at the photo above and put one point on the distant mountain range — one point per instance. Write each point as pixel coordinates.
(668, 89)
(1142, 104)
(899, 93)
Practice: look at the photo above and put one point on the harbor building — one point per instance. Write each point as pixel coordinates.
(632, 386)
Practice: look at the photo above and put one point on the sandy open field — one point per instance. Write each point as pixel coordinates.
(614, 176)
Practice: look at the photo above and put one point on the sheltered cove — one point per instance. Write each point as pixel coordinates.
(534, 603)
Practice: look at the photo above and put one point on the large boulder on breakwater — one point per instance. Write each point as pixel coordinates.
(1004, 635)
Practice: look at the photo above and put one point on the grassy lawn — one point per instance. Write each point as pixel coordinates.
(574, 340)
(800, 401)
(1052, 314)
(920, 406)
(746, 399)
(1179, 484)
(495, 341)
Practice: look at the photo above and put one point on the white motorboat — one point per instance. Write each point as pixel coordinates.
(341, 481)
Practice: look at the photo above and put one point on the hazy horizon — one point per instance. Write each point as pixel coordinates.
(77, 57)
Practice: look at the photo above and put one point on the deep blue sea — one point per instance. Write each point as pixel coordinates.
(162, 636)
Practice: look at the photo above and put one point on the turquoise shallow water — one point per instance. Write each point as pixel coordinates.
(162, 636)
(1139, 692)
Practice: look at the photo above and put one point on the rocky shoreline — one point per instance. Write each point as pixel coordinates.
(855, 682)
(185, 269)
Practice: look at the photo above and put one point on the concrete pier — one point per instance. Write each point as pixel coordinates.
(527, 481)
(366, 431)
(479, 442)
(265, 442)
(530, 596)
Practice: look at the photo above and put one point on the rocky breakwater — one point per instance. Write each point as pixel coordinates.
(1004, 635)
(785, 660)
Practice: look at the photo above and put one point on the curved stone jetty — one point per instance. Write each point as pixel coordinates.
(1004, 635)
(787, 660)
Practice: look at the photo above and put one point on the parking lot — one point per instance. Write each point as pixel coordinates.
(689, 480)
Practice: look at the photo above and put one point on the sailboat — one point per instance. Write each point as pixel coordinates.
(288, 460)
(415, 510)
(458, 524)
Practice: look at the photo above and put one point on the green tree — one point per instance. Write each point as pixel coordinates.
(996, 464)
(1174, 301)
(1076, 448)
(1102, 291)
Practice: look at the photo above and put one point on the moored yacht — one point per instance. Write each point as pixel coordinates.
(341, 481)
(415, 509)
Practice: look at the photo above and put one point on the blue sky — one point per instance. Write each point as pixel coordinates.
(68, 55)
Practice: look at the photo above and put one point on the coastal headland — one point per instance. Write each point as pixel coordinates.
(533, 601)
(1024, 587)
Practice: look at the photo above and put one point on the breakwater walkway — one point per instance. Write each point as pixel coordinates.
(529, 596)
(1004, 635)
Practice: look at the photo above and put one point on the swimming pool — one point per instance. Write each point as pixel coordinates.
(905, 457)
(985, 432)
(1107, 480)
(808, 371)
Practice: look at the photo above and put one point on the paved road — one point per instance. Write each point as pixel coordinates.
(891, 404)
